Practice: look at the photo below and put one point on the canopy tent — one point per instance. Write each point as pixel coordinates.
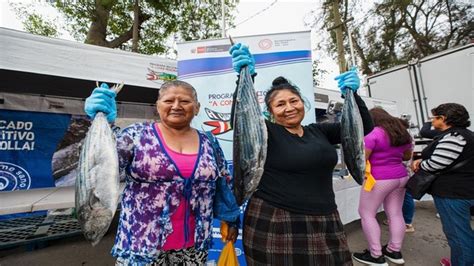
(40, 65)
(43, 84)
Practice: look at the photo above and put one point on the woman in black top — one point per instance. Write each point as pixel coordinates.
(453, 189)
(292, 218)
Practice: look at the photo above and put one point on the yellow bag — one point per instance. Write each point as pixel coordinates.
(228, 256)
(369, 178)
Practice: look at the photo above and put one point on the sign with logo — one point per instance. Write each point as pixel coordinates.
(27, 143)
(207, 66)
(13, 177)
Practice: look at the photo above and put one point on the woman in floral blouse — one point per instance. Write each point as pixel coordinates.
(171, 173)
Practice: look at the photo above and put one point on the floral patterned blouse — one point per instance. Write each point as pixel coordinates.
(154, 188)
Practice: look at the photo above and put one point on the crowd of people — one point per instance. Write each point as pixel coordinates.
(172, 170)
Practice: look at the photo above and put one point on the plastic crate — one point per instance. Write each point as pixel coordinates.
(30, 230)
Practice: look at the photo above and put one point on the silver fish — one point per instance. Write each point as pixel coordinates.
(352, 137)
(97, 184)
(250, 139)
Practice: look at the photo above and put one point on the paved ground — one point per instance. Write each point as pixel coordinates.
(423, 247)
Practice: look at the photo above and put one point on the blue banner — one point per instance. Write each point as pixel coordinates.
(27, 143)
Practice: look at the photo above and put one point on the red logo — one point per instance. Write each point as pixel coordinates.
(265, 44)
(201, 50)
(219, 121)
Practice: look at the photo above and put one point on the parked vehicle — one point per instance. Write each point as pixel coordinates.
(424, 83)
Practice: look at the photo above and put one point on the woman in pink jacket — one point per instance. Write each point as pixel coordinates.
(386, 147)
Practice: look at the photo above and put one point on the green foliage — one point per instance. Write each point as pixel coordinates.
(318, 73)
(162, 23)
(35, 23)
(391, 32)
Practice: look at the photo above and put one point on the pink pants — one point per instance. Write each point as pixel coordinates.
(391, 193)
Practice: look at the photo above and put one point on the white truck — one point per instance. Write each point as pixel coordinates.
(424, 83)
(329, 103)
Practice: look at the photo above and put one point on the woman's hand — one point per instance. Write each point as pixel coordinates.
(102, 99)
(349, 79)
(232, 234)
(415, 165)
(241, 57)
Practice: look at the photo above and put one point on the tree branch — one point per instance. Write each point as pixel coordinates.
(429, 28)
(451, 30)
(124, 37)
(365, 64)
(418, 38)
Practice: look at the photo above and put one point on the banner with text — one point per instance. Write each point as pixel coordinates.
(27, 143)
(207, 66)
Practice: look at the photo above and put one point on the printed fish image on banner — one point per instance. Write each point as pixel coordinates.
(220, 122)
(153, 75)
(66, 156)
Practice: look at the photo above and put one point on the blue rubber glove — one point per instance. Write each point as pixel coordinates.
(349, 79)
(102, 99)
(241, 57)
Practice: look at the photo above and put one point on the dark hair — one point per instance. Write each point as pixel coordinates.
(456, 114)
(404, 123)
(393, 126)
(278, 84)
(177, 83)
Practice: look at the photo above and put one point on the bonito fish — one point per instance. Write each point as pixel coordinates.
(352, 137)
(250, 139)
(97, 184)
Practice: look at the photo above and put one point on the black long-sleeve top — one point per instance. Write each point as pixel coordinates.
(427, 132)
(298, 170)
(450, 147)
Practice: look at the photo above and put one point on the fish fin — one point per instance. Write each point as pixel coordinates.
(93, 199)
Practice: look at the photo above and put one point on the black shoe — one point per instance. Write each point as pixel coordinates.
(366, 258)
(393, 256)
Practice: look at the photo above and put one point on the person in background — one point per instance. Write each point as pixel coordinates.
(427, 131)
(452, 190)
(292, 218)
(171, 172)
(408, 208)
(386, 147)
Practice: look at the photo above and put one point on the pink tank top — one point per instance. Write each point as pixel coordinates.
(185, 164)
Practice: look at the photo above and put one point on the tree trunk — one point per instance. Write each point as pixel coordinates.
(98, 29)
(339, 37)
(136, 26)
(364, 63)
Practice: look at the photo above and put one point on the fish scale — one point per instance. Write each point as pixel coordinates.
(352, 138)
(97, 185)
(249, 139)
